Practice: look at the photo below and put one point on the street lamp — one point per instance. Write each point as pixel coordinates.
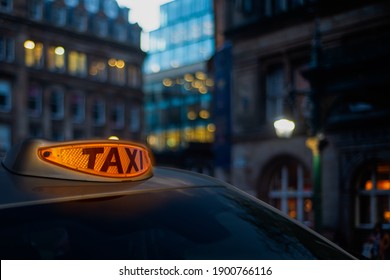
(284, 127)
(316, 140)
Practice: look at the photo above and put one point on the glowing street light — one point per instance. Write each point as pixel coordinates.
(284, 128)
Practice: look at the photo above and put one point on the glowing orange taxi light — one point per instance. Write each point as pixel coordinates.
(107, 159)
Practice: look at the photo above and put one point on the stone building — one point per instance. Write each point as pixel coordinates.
(324, 65)
(69, 69)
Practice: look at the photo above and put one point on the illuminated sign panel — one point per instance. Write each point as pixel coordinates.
(114, 160)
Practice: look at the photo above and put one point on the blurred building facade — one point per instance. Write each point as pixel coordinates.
(177, 87)
(283, 53)
(69, 70)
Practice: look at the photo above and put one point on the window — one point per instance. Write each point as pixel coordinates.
(7, 49)
(275, 93)
(79, 21)
(35, 130)
(117, 71)
(208, 26)
(268, 8)
(33, 54)
(56, 58)
(173, 138)
(57, 133)
(77, 63)
(92, 6)
(5, 96)
(35, 9)
(6, 5)
(101, 27)
(5, 138)
(300, 88)
(78, 134)
(34, 100)
(98, 70)
(57, 105)
(247, 7)
(300, 84)
(118, 115)
(195, 29)
(297, 3)
(373, 195)
(135, 119)
(99, 112)
(59, 16)
(280, 6)
(71, 3)
(134, 76)
(77, 107)
(290, 191)
(120, 32)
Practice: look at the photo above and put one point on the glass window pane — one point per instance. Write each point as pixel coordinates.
(383, 209)
(34, 100)
(5, 96)
(77, 108)
(57, 106)
(5, 138)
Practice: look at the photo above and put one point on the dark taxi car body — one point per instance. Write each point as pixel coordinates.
(168, 214)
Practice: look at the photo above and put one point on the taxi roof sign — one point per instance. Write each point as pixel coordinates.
(89, 160)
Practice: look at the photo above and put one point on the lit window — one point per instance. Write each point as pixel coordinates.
(173, 138)
(77, 63)
(156, 141)
(290, 191)
(117, 70)
(5, 96)
(33, 54)
(57, 105)
(56, 58)
(34, 100)
(7, 49)
(98, 70)
(373, 201)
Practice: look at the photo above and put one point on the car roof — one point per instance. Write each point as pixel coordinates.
(21, 190)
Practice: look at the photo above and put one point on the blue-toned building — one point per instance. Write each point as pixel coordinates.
(178, 89)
